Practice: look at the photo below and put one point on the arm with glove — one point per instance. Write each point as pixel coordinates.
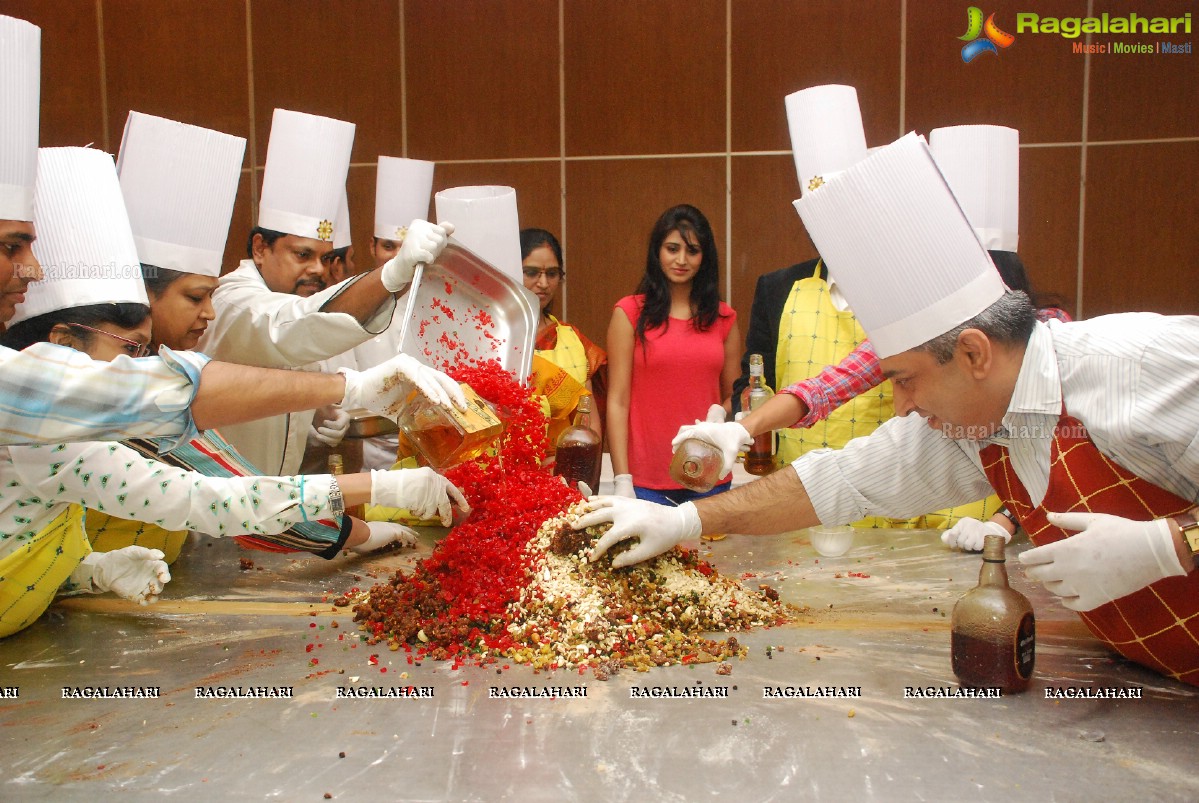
(1109, 557)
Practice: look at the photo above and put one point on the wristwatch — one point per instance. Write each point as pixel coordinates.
(1010, 516)
(337, 503)
(1189, 526)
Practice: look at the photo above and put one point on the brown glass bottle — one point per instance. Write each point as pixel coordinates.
(337, 468)
(696, 465)
(759, 459)
(579, 450)
(994, 632)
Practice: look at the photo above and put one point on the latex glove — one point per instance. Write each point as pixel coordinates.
(624, 486)
(730, 437)
(968, 534)
(583, 487)
(421, 490)
(423, 243)
(133, 572)
(1109, 558)
(377, 390)
(333, 427)
(658, 527)
(384, 533)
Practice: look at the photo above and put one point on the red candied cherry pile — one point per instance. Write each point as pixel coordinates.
(453, 604)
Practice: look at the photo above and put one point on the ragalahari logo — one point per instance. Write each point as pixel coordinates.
(992, 37)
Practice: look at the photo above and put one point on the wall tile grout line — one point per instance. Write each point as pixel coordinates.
(105, 139)
(562, 233)
(1079, 279)
(252, 137)
(728, 147)
(903, 66)
(403, 83)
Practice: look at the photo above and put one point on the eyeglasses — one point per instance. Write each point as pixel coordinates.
(551, 274)
(132, 347)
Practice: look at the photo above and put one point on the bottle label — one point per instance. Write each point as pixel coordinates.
(1026, 646)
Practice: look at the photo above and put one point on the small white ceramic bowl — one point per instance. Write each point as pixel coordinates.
(831, 541)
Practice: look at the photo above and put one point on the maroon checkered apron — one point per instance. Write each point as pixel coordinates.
(1157, 626)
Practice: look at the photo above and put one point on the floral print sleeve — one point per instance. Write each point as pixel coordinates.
(112, 478)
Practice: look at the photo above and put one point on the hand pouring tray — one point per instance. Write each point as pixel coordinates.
(461, 308)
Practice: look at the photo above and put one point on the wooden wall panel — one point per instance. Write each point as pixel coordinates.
(1142, 240)
(152, 68)
(780, 46)
(1035, 85)
(482, 79)
(536, 184)
(1145, 96)
(335, 58)
(242, 221)
(1049, 179)
(72, 99)
(645, 78)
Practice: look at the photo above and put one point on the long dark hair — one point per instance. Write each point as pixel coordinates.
(126, 315)
(1011, 270)
(690, 223)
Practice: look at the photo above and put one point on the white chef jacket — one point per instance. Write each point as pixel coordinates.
(1131, 379)
(255, 326)
(38, 482)
(379, 452)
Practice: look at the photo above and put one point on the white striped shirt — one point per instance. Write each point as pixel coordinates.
(1132, 379)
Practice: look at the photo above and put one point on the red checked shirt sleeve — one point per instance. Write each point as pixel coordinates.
(837, 384)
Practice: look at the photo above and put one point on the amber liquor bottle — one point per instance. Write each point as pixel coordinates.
(579, 450)
(759, 459)
(994, 632)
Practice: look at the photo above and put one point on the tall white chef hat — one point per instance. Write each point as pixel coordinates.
(906, 257)
(342, 236)
(403, 188)
(307, 160)
(20, 85)
(83, 238)
(179, 182)
(982, 165)
(485, 221)
(826, 132)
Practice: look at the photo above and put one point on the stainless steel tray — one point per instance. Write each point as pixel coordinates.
(461, 308)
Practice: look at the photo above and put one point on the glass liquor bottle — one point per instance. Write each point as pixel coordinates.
(337, 469)
(994, 632)
(759, 458)
(696, 465)
(579, 450)
(446, 437)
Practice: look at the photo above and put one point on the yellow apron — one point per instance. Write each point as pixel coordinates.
(32, 575)
(813, 334)
(107, 533)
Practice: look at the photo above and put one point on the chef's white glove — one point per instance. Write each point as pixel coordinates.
(421, 490)
(133, 572)
(422, 244)
(383, 533)
(624, 486)
(378, 388)
(582, 487)
(969, 534)
(1109, 558)
(658, 527)
(333, 427)
(730, 437)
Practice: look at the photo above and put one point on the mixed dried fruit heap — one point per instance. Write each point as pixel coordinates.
(513, 580)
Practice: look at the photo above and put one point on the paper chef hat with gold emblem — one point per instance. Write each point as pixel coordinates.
(403, 188)
(179, 182)
(826, 133)
(485, 221)
(20, 86)
(307, 160)
(341, 229)
(982, 165)
(905, 256)
(83, 238)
